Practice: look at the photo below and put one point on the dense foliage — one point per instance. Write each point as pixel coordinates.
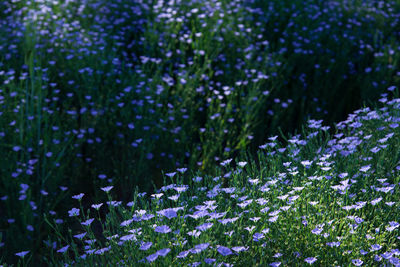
(99, 93)
(328, 200)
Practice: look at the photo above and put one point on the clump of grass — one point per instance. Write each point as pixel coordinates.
(321, 199)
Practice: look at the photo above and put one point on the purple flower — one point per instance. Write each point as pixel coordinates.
(87, 222)
(357, 262)
(310, 260)
(97, 206)
(163, 252)
(73, 212)
(80, 236)
(376, 201)
(239, 249)
(107, 188)
(199, 248)
(171, 174)
(333, 244)
(63, 249)
(146, 246)
(365, 168)
(128, 237)
(183, 254)
(152, 257)
(317, 231)
(226, 162)
(182, 170)
(147, 217)
(163, 229)
(78, 197)
(376, 247)
(209, 261)
(102, 176)
(204, 226)
(275, 264)
(194, 233)
(174, 197)
(395, 261)
(224, 251)
(169, 213)
(257, 237)
(181, 189)
(22, 253)
(242, 164)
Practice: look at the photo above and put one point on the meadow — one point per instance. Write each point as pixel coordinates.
(139, 132)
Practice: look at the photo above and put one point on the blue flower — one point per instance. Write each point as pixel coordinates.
(163, 229)
(163, 252)
(22, 253)
(73, 212)
(224, 251)
(146, 246)
(357, 262)
(310, 260)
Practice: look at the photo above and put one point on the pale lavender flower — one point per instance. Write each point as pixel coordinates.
(209, 261)
(365, 168)
(333, 244)
(257, 237)
(152, 257)
(376, 201)
(376, 247)
(275, 264)
(171, 174)
(79, 196)
(80, 236)
(242, 164)
(204, 226)
(224, 251)
(126, 222)
(183, 254)
(163, 252)
(87, 222)
(22, 253)
(97, 206)
(310, 260)
(128, 237)
(273, 219)
(163, 229)
(392, 226)
(199, 248)
(73, 212)
(239, 249)
(63, 249)
(357, 262)
(147, 217)
(146, 246)
(194, 233)
(394, 261)
(169, 213)
(181, 189)
(174, 197)
(107, 188)
(226, 162)
(182, 170)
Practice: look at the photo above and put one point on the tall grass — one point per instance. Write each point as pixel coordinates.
(97, 93)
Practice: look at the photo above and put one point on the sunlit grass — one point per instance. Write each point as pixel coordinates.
(324, 200)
